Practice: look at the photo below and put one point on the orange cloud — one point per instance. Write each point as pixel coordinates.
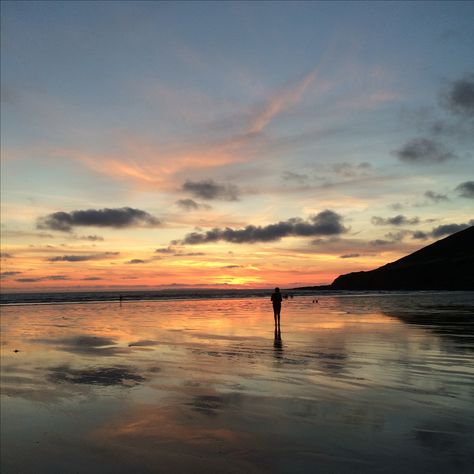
(160, 166)
(280, 102)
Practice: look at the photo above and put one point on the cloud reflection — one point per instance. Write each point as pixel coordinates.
(120, 375)
(85, 344)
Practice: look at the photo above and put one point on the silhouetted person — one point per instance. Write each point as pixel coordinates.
(120, 299)
(276, 301)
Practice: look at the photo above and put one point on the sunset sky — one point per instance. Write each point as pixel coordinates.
(148, 145)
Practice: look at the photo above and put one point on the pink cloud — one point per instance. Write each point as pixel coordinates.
(280, 102)
(161, 166)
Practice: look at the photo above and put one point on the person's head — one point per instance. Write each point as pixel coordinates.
(277, 290)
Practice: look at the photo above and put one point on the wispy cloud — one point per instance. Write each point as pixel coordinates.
(172, 250)
(4, 275)
(160, 165)
(279, 102)
(191, 205)
(82, 258)
(396, 220)
(424, 151)
(43, 278)
(435, 233)
(436, 197)
(210, 190)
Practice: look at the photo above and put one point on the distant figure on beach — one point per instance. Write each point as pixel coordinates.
(120, 299)
(276, 301)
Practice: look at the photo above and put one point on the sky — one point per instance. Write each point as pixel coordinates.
(150, 145)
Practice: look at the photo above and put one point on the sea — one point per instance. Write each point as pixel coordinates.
(73, 297)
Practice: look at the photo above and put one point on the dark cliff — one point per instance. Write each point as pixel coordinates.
(447, 264)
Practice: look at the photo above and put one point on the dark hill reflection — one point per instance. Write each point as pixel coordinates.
(448, 315)
(454, 324)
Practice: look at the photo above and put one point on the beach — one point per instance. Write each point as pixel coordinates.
(354, 383)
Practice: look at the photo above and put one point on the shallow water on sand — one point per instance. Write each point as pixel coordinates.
(354, 384)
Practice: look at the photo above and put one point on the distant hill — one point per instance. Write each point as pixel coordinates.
(447, 264)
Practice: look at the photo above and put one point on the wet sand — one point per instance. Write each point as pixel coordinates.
(354, 384)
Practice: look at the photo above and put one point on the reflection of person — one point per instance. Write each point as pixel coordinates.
(277, 344)
(276, 301)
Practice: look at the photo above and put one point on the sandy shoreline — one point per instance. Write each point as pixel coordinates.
(194, 386)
